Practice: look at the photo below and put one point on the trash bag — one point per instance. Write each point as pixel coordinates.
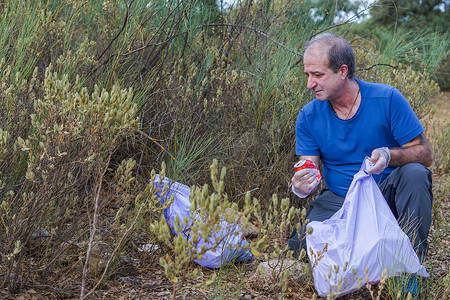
(361, 237)
(230, 249)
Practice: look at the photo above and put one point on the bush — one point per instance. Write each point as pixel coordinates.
(57, 145)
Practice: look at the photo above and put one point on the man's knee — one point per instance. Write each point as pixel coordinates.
(414, 171)
(415, 175)
(413, 189)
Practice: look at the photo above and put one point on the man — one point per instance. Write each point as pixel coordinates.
(351, 119)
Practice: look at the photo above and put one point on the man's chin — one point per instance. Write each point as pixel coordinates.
(320, 95)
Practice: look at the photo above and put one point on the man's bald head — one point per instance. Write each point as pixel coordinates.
(339, 51)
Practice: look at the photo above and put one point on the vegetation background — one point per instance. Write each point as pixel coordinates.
(98, 96)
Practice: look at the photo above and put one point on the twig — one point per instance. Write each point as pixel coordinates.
(340, 24)
(241, 194)
(375, 65)
(149, 45)
(67, 292)
(168, 40)
(93, 229)
(280, 11)
(241, 17)
(257, 30)
(145, 46)
(125, 21)
(70, 243)
(331, 27)
(117, 248)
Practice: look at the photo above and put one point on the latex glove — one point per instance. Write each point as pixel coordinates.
(304, 181)
(380, 158)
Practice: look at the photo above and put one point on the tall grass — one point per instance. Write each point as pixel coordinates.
(20, 38)
(428, 47)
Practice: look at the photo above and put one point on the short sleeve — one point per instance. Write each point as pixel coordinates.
(405, 126)
(305, 143)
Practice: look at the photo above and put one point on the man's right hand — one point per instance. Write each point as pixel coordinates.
(304, 182)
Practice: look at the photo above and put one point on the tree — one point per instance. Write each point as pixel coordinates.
(334, 10)
(431, 13)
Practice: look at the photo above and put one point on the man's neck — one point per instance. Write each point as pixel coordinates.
(348, 101)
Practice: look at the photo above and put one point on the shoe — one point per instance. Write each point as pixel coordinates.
(411, 287)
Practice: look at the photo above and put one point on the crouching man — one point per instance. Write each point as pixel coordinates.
(351, 119)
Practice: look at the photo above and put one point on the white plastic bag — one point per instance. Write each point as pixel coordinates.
(229, 249)
(362, 234)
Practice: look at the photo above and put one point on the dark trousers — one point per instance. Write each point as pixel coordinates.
(407, 191)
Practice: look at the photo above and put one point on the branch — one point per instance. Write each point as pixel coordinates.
(149, 45)
(144, 47)
(375, 65)
(125, 21)
(257, 30)
(64, 248)
(93, 229)
(117, 248)
(340, 24)
(331, 27)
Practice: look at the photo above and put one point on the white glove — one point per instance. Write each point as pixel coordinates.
(304, 181)
(299, 192)
(381, 158)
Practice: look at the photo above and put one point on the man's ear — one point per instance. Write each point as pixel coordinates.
(343, 71)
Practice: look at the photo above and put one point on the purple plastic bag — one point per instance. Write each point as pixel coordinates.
(362, 234)
(228, 250)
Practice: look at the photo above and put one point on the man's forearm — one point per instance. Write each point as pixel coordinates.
(418, 150)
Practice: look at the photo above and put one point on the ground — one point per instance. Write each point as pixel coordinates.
(233, 282)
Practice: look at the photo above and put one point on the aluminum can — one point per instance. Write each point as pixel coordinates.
(306, 164)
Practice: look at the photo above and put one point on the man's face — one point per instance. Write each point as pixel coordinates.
(325, 84)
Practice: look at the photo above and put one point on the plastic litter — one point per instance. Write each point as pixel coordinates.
(148, 247)
(362, 234)
(228, 250)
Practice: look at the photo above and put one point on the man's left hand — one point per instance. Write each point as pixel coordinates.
(380, 158)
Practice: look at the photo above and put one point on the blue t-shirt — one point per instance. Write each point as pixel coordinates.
(384, 119)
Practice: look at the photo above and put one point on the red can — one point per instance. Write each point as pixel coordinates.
(306, 164)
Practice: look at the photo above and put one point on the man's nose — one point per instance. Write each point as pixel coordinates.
(311, 83)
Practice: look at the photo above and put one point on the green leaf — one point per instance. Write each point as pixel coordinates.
(255, 251)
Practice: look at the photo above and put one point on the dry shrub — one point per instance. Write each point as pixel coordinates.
(57, 141)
